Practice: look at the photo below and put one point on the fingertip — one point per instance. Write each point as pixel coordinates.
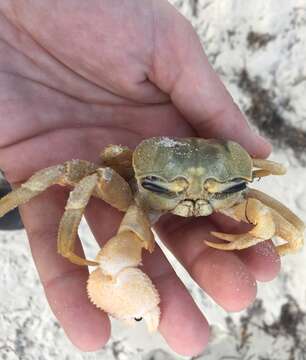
(92, 332)
(237, 128)
(86, 327)
(262, 260)
(182, 324)
(197, 344)
(259, 147)
(225, 278)
(239, 297)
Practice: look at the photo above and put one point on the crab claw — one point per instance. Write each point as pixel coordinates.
(130, 296)
(119, 287)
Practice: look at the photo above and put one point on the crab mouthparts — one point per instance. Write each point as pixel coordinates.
(188, 208)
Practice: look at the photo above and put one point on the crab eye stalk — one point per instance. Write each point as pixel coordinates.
(230, 190)
(235, 188)
(162, 187)
(156, 185)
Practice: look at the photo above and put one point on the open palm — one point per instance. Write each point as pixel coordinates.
(76, 76)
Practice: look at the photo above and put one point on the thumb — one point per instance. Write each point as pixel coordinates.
(181, 69)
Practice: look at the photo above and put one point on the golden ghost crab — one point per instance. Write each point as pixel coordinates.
(186, 177)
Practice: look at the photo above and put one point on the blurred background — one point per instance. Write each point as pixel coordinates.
(258, 48)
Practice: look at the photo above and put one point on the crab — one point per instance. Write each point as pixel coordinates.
(186, 177)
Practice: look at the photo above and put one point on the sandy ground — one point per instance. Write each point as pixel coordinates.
(258, 48)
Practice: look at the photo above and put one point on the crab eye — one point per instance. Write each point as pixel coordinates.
(138, 319)
(227, 189)
(152, 183)
(235, 188)
(215, 187)
(154, 187)
(160, 186)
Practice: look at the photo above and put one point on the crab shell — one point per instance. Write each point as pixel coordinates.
(196, 162)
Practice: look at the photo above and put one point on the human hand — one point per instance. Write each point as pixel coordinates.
(76, 76)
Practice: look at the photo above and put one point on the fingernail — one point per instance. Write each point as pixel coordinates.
(262, 146)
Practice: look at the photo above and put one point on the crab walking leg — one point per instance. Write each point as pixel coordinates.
(254, 212)
(270, 217)
(269, 167)
(34, 186)
(288, 226)
(65, 174)
(118, 158)
(118, 286)
(288, 232)
(260, 173)
(113, 189)
(68, 229)
(105, 184)
(278, 207)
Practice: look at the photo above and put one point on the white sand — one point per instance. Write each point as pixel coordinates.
(28, 330)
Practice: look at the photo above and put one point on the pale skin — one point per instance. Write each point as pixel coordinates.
(72, 84)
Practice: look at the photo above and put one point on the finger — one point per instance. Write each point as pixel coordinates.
(261, 259)
(182, 324)
(86, 143)
(182, 69)
(64, 283)
(73, 143)
(221, 274)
